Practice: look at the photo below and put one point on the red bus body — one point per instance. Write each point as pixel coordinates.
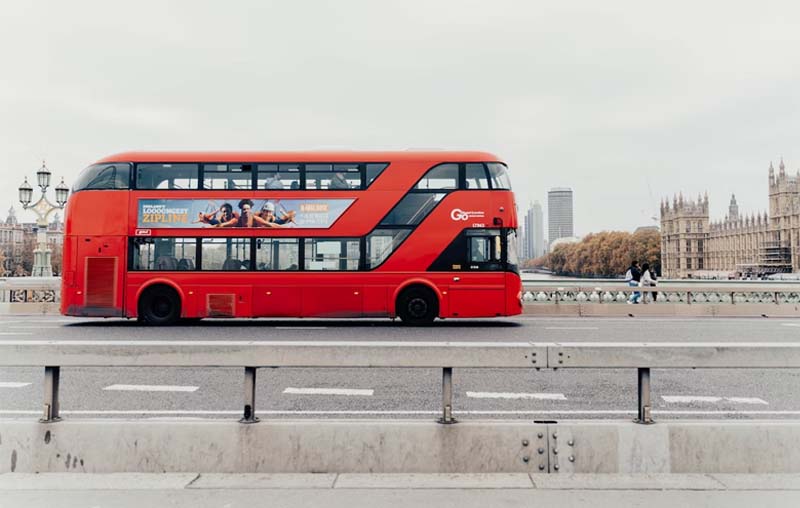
(102, 224)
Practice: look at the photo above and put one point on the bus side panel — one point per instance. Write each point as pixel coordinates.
(332, 295)
(376, 298)
(477, 295)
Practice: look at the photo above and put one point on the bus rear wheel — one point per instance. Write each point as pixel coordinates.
(417, 305)
(159, 305)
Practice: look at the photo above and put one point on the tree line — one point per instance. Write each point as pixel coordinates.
(604, 254)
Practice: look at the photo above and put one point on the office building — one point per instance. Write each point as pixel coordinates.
(559, 213)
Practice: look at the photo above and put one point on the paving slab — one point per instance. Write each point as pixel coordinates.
(83, 481)
(398, 498)
(264, 481)
(664, 481)
(434, 481)
(759, 482)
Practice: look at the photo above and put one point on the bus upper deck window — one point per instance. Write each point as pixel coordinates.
(373, 171)
(443, 176)
(476, 176)
(114, 175)
(499, 175)
(278, 176)
(227, 176)
(167, 176)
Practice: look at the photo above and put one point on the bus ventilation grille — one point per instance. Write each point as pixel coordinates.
(220, 305)
(100, 281)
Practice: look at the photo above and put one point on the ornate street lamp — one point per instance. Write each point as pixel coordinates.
(43, 208)
(43, 177)
(25, 193)
(62, 193)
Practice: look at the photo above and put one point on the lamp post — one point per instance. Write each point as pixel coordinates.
(43, 208)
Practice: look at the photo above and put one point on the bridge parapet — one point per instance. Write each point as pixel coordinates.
(707, 299)
(30, 295)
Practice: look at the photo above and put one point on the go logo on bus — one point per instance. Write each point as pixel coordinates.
(459, 214)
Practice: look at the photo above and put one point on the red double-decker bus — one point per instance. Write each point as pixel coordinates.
(171, 235)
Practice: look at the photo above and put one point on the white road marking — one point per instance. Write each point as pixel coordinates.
(571, 328)
(32, 327)
(513, 395)
(747, 400)
(151, 388)
(12, 384)
(328, 391)
(16, 333)
(790, 324)
(688, 399)
(577, 412)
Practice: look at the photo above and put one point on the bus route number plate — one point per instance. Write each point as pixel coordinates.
(142, 232)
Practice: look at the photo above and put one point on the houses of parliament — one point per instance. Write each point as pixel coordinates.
(740, 245)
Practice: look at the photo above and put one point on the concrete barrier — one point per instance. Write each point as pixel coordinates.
(345, 446)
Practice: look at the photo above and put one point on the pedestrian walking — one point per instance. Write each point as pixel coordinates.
(648, 280)
(633, 276)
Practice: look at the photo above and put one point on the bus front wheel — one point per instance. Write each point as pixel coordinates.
(417, 305)
(159, 305)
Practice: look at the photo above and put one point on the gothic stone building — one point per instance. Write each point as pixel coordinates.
(738, 245)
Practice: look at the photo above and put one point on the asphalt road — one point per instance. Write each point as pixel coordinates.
(408, 393)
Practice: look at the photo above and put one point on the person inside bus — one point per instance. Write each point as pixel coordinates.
(211, 218)
(267, 214)
(339, 181)
(274, 182)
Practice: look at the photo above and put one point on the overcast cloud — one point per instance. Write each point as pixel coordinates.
(625, 102)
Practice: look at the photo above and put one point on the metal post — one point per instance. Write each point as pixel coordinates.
(51, 382)
(644, 397)
(447, 396)
(249, 396)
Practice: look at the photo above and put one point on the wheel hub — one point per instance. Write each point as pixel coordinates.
(418, 307)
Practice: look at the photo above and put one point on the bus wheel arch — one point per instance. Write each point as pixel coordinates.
(417, 303)
(159, 303)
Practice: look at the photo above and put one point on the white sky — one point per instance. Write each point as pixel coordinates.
(625, 102)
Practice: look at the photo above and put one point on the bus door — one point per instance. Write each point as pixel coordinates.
(331, 291)
(276, 290)
(478, 288)
(101, 275)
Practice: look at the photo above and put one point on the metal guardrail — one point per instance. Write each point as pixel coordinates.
(444, 355)
(771, 293)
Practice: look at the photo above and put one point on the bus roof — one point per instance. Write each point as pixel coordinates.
(305, 156)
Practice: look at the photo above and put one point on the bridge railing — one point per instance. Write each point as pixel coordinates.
(251, 356)
(675, 293)
(30, 295)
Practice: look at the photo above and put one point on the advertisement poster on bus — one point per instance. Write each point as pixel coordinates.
(240, 213)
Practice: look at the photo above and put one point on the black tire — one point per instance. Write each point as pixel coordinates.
(160, 305)
(417, 305)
